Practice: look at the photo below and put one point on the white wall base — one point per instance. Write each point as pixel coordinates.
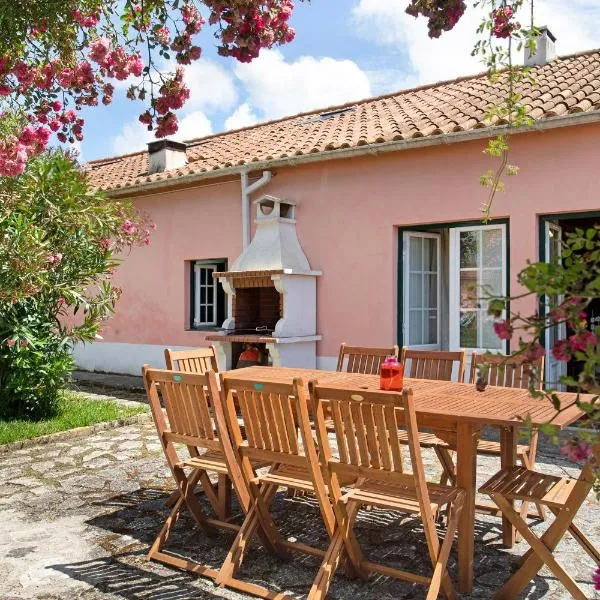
(327, 363)
(114, 357)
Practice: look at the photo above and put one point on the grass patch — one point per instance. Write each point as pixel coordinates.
(74, 410)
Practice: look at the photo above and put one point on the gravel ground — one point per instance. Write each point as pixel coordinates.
(78, 517)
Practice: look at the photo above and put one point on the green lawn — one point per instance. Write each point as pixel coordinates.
(75, 410)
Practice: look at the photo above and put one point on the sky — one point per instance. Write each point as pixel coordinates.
(344, 50)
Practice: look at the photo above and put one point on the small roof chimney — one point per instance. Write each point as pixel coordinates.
(545, 50)
(164, 155)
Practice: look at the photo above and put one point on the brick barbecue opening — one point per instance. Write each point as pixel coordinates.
(257, 307)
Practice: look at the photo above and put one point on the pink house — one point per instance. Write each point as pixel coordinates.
(367, 228)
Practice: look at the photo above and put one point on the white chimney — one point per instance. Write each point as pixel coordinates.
(275, 244)
(545, 49)
(164, 155)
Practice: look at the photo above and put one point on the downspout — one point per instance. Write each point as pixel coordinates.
(246, 191)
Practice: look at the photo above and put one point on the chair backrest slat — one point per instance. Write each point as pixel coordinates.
(365, 425)
(358, 359)
(433, 364)
(186, 399)
(197, 360)
(508, 371)
(268, 412)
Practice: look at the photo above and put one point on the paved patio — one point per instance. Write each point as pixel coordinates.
(78, 517)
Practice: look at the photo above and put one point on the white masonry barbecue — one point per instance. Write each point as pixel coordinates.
(271, 293)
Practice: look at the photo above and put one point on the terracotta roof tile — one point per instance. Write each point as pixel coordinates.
(569, 85)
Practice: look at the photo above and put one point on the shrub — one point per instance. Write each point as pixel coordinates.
(59, 242)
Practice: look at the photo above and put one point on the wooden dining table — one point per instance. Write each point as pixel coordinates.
(456, 412)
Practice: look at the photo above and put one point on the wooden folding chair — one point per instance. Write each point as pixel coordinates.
(190, 423)
(433, 364)
(356, 359)
(366, 426)
(564, 497)
(278, 430)
(438, 365)
(198, 360)
(515, 372)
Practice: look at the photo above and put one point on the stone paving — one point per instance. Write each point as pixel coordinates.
(77, 518)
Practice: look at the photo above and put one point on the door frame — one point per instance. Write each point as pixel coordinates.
(434, 227)
(454, 283)
(542, 249)
(406, 266)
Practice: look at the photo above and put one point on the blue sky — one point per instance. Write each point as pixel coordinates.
(344, 50)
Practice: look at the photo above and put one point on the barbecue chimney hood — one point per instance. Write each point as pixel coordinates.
(275, 244)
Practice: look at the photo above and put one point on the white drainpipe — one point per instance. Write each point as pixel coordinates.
(246, 191)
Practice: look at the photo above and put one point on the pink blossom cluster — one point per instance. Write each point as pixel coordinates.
(16, 151)
(12, 342)
(596, 578)
(442, 15)
(172, 95)
(582, 341)
(503, 23)
(182, 44)
(576, 450)
(248, 26)
(54, 259)
(86, 20)
(141, 231)
(503, 329)
(115, 62)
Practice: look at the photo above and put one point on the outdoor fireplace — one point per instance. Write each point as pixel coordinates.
(271, 294)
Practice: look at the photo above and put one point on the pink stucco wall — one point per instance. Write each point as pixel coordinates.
(348, 215)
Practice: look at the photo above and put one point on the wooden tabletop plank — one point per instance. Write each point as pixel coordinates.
(435, 400)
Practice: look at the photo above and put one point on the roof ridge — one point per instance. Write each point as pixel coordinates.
(362, 101)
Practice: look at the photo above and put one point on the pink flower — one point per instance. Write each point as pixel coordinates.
(55, 125)
(10, 342)
(596, 578)
(24, 343)
(145, 118)
(503, 329)
(50, 258)
(561, 351)
(5, 90)
(576, 450)
(57, 105)
(582, 342)
(129, 227)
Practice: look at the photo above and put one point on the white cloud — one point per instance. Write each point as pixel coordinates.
(243, 116)
(386, 23)
(194, 125)
(211, 87)
(277, 88)
(134, 136)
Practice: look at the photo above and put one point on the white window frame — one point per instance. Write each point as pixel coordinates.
(406, 287)
(454, 283)
(554, 369)
(197, 322)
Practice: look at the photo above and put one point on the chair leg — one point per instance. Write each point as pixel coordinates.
(448, 468)
(241, 544)
(582, 540)
(165, 531)
(542, 553)
(440, 577)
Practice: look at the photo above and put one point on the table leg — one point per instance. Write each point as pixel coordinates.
(466, 472)
(508, 459)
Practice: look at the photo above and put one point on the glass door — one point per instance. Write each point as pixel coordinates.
(555, 369)
(421, 282)
(477, 271)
